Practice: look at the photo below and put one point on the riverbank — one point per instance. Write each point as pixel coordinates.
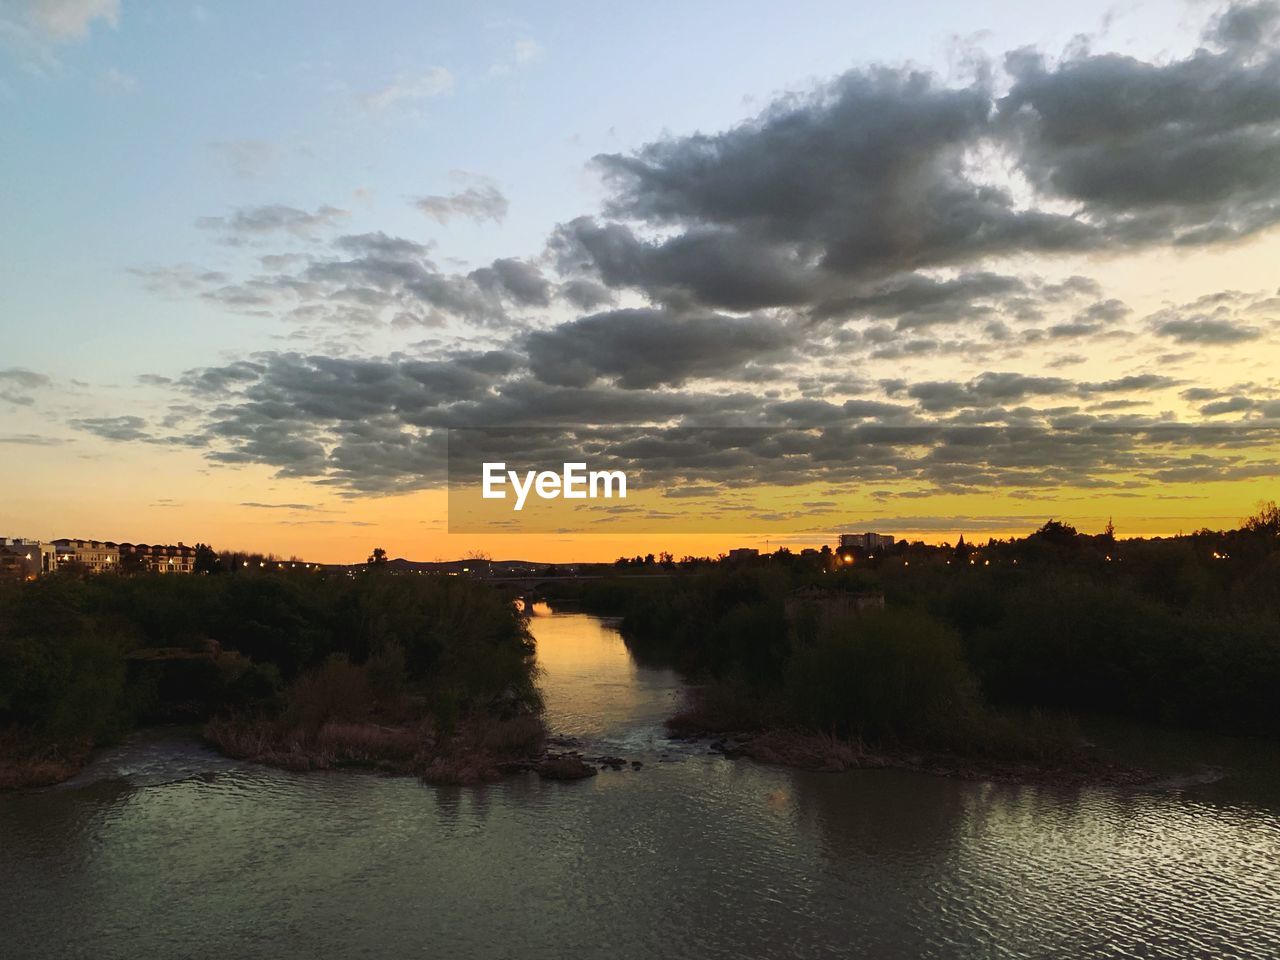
(27, 762)
(477, 750)
(819, 752)
(1039, 751)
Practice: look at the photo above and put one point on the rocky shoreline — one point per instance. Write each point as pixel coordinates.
(825, 754)
(481, 751)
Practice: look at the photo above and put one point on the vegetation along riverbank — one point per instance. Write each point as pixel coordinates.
(431, 676)
(969, 661)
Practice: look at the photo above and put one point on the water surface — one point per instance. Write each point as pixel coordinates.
(163, 849)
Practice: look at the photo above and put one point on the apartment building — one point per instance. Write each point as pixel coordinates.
(157, 558)
(93, 556)
(25, 559)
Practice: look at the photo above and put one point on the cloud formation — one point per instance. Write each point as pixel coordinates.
(777, 277)
(248, 223)
(483, 201)
(18, 384)
(409, 89)
(874, 175)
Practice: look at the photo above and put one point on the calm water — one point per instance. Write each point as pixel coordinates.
(161, 849)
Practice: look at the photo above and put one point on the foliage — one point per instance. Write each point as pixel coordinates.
(88, 658)
(885, 675)
(1181, 630)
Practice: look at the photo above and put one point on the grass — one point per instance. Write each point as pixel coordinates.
(27, 761)
(472, 753)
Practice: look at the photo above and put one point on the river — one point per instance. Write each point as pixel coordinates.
(162, 849)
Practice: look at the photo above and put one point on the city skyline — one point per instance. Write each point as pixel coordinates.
(1011, 273)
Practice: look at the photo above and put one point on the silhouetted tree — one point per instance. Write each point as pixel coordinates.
(378, 558)
(207, 560)
(1057, 533)
(1266, 521)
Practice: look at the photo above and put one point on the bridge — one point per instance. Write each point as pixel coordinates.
(531, 588)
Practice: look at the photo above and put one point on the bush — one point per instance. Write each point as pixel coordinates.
(336, 690)
(885, 675)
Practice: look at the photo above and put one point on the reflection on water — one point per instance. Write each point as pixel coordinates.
(165, 850)
(593, 689)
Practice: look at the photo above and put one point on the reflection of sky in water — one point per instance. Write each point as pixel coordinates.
(593, 689)
(164, 850)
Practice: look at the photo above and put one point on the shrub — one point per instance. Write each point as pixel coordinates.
(336, 690)
(884, 675)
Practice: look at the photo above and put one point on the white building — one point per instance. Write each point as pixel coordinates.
(26, 559)
(91, 555)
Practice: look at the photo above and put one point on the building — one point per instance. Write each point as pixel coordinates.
(867, 542)
(25, 559)
(157, 558)
(92, 556)
(743, 553)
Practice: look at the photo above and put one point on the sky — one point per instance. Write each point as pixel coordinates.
(959, 268)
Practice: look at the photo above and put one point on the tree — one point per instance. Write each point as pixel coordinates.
(1057, 533)
(131, 564)
(378, 558)
(1266, 521)
(206, 561)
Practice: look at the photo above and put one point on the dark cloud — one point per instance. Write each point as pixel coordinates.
(379, 425)
(866, 176)
(1246, 26)
(871, 177)
(114, 428)
(646, 348)
(586, 294)
(518, 281)
(919, 300)
(1000, 388)
(1184, 151)
(1205, 330)
(717, 268)
(1232, 405)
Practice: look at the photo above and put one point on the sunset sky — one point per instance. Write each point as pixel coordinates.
(963, 267)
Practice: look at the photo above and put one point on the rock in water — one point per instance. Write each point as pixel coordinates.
(565, 767)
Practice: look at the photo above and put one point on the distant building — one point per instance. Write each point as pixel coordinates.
(157, 558)
(869, 542)
(25, 559)
(91, 555)
(743, 553)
